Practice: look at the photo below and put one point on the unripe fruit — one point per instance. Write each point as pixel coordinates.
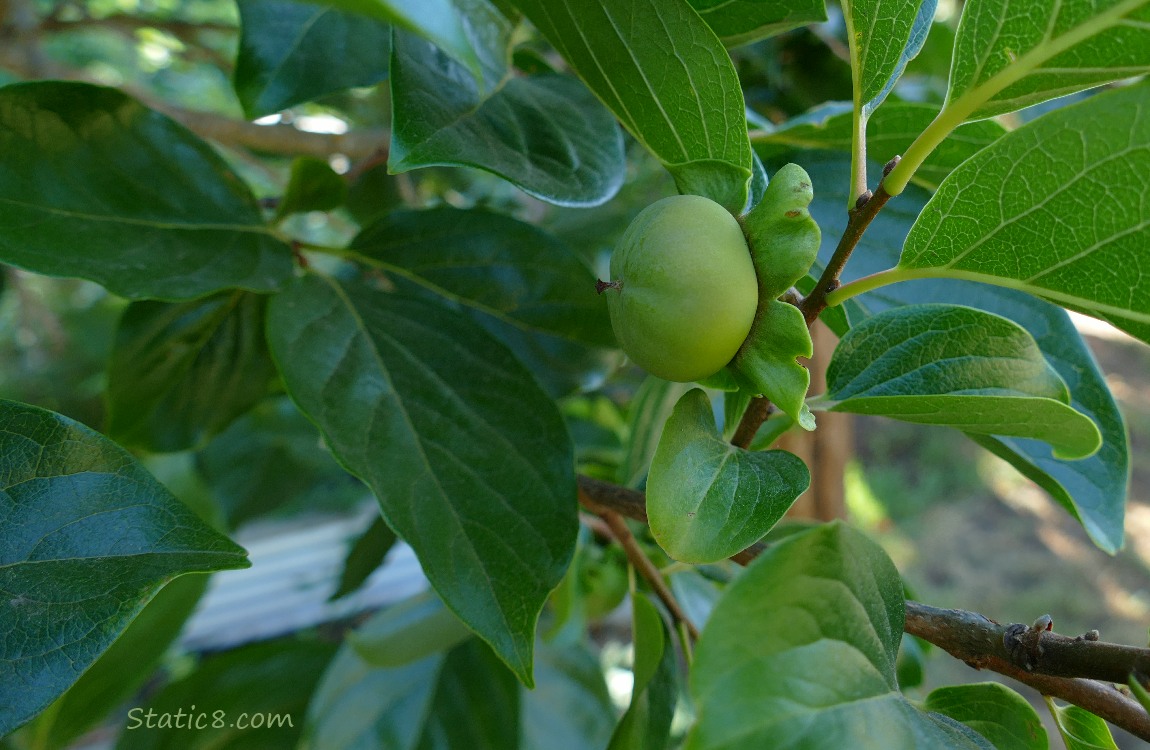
(683, 291)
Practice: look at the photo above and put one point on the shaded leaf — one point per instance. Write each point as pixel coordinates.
(272, 460)
(182, 372)
(708, 499)
(744, 21)
(801, 652)
(476, 703)
(89, 537)
(544, 133)
(248, 682)
(408, 631)
(366, 554)
(314, 186)
(1041, 187)
(993, 710)
(569, 709)
(958, 367)
(667, 78)
(647, 723)
(470, 461)
(78, 197)
(648, 411)
(124, 668)
(285, 53)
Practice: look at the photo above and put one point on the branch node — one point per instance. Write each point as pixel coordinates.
(863, 198)
(890, 165)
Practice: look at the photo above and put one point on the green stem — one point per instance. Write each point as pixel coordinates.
(870, 283)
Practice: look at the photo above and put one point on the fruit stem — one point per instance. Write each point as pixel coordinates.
(602, 286)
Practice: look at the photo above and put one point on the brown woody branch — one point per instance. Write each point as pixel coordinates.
(1077, 670)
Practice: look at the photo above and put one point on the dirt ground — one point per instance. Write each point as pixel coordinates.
(967, 531)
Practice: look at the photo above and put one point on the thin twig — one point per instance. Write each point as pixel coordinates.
(1069, 669)
(757, 412)
(647, 569)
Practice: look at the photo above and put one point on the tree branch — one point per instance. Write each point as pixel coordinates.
(1076, 670)
(647, 569)
(228, 131)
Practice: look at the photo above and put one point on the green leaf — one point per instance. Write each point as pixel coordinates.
(708, 499)
(124, 668)
(993, 710)
(1010, 54)
(958, 367)
(1080, 729)
(569, 709)
(357, 706)
(96, 185)
(648, 411)
(668, 79)
(365, 555)
(743, 21)
(314, 186)
(647, 723)
(182, 372)
(494, 264)
(476, 704)
(1041, 187)
(766, 361)
(408, 631)
(545, 133)
(470, 461)
(800, 652)
(89, 537)
(441, 22)
(251, 697)
(890, 130)
(285, 53)
(272, 459)
(884, 36)
(1093, 489)
(488, 267)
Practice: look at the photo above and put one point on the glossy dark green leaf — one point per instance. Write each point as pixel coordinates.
(1043, 187)
(647, 723)
(272, 460)
(744, 21)
(314, 186)
(366, 554)
(1010, 54)
(521, 284)
(476, 703)
(89, 537)
(182, 372)
(961, 367)
(667, 78)
(1080, 729)
(890, 130)
(801, 652)
(495, 264)
(286, 53)
(251, 698)
(470, 461)
(993, 710)
(708, 499)
(123, 669)
(408, 631)
(96, 185)
(545, 133)
(1093, 489)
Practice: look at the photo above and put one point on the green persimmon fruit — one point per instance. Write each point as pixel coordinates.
(683, 291)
